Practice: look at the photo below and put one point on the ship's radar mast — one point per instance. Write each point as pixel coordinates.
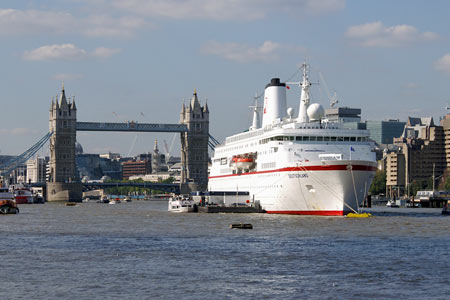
(304, 96)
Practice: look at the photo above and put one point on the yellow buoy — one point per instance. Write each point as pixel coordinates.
(359, 215)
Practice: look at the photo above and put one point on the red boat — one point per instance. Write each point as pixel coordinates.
(22, 194)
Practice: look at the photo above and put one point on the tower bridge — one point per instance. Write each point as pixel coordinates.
(63, 184)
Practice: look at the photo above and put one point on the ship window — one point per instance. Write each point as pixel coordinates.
(340, 139)
(333, 139)
(298, 138)
(353, 139)
(306, 138)
(279, 138)
(223, 161)
(312, 138)
(320, 138)
(346, 138)
(326, 138)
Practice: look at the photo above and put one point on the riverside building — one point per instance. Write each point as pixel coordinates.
(420, 155)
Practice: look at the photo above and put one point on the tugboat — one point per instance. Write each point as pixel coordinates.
(7, 203)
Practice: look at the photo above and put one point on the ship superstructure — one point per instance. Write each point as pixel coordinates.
(296, 165)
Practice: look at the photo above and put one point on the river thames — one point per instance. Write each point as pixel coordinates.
(138, 250)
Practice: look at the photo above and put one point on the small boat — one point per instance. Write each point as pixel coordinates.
(22, 194)
(181, 204)
(391, 203)
(114, 200)
(359, 215)
(38, 198)
(241, 226)
(7, 203)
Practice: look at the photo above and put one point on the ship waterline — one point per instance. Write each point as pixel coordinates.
(332, 189)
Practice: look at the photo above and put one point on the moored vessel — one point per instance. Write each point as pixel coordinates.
(22, 194)
(302, 165)
(7, 203)
(180, 204)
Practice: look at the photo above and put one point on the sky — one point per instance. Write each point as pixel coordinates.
(139, 60)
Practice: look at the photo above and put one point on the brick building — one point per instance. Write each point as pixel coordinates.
(140, 167)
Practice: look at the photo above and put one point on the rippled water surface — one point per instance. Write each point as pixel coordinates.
(140, 251)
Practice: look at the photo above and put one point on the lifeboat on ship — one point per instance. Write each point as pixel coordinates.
(233, 163)
(245, 163)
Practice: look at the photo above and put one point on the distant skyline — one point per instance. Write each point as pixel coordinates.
(140, 60)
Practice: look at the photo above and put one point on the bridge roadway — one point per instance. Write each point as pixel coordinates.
(130, 127)
(166, 187)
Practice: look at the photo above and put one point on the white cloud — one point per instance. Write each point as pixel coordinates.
(14, 21)
(378, 35)
(56, 52)
(241, 10)
(443, 64)
(66, 52)
(268, 52)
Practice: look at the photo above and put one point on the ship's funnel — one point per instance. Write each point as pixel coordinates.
(274, 101)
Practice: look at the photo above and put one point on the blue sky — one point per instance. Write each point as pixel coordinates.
(140, 59)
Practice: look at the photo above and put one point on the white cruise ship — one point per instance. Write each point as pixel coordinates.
(296, 165)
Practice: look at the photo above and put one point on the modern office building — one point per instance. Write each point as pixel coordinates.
(94, 167)
(37, 169)
(383, 132)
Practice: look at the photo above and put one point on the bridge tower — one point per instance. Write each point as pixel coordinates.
(63, 184)
(194, 146)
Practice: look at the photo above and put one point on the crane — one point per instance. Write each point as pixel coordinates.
(168, 150)
(333, 99)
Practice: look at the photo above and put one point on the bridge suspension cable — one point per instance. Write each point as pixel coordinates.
(212, 142)
(14, 163)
